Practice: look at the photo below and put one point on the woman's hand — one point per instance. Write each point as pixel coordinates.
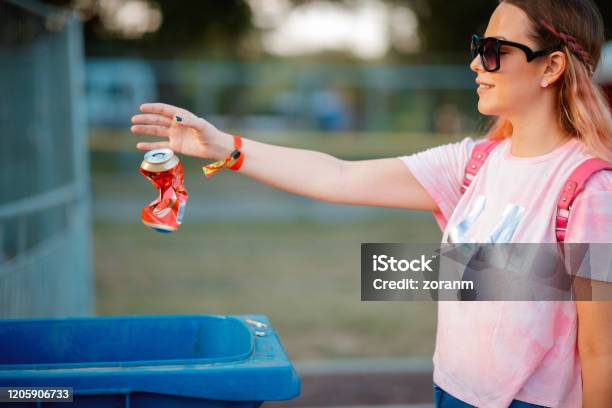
(186, 133)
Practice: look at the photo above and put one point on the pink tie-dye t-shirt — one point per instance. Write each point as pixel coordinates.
(489, 353)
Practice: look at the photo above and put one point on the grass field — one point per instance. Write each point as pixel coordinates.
(246, 248)
(304, 275)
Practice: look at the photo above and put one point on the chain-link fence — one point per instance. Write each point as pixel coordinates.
(45, 261)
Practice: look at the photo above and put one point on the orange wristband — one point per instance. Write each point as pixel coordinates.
(233, 161)
(237, 148)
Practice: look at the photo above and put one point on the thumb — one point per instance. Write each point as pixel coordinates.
(188, 121)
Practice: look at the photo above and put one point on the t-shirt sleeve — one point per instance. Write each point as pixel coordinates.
(590, 222)
(440, 171)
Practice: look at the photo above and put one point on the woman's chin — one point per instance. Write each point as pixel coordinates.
(486, 109)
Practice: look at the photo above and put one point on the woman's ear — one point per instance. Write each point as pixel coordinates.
(555, 67)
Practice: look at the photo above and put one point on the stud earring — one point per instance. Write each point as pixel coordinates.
(544, 84)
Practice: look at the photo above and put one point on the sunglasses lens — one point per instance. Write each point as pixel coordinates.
(489, 55)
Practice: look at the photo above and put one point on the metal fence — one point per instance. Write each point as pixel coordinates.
(45, 260)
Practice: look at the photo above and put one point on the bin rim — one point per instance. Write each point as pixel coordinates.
(111, 365)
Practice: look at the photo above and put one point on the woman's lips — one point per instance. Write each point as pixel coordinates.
(484, 88)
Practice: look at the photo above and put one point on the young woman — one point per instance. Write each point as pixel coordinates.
(534, 69)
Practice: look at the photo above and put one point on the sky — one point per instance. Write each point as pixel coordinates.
(365, 28)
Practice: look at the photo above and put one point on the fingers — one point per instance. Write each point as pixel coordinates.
(163, 109)
(151, 119)
(162, 114)
(151, 146)
(150, 130)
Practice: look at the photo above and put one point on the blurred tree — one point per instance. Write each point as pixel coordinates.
(219, 27)
(447, 25)
(187, 27)
(192, 25)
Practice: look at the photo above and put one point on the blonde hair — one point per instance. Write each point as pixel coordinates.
(576, 28)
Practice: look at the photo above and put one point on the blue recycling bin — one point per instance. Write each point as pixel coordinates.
(149, 361)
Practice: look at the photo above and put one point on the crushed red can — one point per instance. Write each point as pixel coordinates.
(164, 170)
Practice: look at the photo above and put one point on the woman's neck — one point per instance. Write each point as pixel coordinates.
(537, 132)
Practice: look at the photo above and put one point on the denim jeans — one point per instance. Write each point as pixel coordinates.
(444, 400)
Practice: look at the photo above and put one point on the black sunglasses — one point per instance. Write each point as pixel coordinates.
(489, 50)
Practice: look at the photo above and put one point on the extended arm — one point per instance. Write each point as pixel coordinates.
(380, 182)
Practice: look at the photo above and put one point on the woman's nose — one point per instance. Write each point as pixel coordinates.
(476, 64)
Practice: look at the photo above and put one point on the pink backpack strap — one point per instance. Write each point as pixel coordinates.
(480, 152)
(571, 188)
